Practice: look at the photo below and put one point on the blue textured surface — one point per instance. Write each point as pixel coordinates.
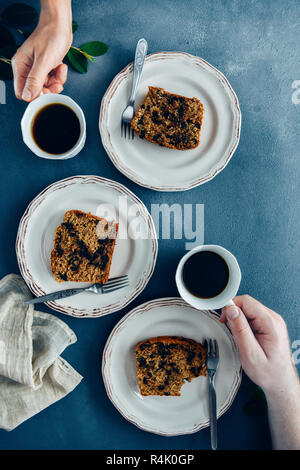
(250, 208)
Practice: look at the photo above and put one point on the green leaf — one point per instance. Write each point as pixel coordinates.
(255, 408)
(5, 37)
(5, 71)
(77, 60)
(20, 14)
(74, 26)
(95, 48)
(8, 51)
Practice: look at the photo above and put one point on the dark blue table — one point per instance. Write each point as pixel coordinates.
(250, 208)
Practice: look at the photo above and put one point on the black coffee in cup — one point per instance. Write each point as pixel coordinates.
(205, 274)
(56, 128)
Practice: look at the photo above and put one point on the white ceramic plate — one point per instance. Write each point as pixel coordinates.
(161, 168)
(168, 416)
(101, 197)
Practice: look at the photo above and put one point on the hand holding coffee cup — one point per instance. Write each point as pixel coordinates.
(208, 277)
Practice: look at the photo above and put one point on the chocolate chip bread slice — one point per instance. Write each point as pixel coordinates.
(165, 362)
(169, 120)
(83, 248)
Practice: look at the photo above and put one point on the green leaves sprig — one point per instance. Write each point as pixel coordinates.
(79, 56)
(17, 15)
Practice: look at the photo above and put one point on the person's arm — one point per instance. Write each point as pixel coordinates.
(262, 340)
(284, 416)
(37, 65)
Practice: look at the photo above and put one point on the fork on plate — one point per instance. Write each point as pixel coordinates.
(110, 286)
(212, 361)
(128, 113)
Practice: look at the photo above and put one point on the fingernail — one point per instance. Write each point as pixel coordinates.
(231, 312)
(26, 95)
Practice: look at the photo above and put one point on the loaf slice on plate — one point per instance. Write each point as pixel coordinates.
(83, 248)
(169, 120)
(164, 363)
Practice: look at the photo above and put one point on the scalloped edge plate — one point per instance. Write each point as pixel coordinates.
(163, 169)
(168, 416)
(135, 257)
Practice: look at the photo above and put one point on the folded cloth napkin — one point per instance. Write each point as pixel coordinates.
(32, 373)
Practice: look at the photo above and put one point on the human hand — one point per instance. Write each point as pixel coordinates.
(37, 65)
(262, 340)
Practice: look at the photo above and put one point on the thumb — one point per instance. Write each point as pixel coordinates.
(35, 81)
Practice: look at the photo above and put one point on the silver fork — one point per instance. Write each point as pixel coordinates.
(212, 361)
(140, 54)
(109, 286)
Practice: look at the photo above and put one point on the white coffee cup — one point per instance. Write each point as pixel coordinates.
(229, 292)
(27, 120)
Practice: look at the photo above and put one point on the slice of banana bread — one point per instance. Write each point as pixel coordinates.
(83, 248)
(165, 362)
(169, 120)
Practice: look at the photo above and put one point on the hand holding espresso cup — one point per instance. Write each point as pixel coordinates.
(260, 334)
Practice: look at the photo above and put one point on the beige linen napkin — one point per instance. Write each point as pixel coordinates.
(32, 373)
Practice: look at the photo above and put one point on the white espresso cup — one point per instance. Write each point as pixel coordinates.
(228, 293)
(28, 118)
